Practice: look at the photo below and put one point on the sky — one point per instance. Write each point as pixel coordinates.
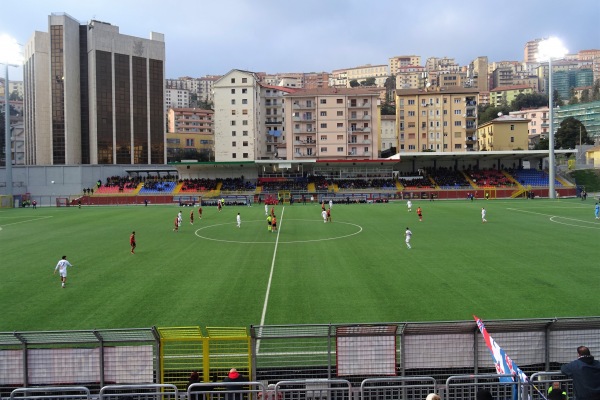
(205, 37)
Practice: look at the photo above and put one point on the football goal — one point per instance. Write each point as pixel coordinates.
(62, 202)
(6, 201)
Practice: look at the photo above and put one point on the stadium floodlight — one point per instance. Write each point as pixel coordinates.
(10, 56)
(547, 50)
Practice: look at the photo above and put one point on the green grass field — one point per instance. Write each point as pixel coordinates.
(534, 258)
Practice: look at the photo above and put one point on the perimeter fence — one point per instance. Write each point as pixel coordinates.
(403, 360)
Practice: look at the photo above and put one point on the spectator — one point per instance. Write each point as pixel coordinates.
(234, 377)
(585, 372)
(194, 378)
(556, 392)
(484, 394)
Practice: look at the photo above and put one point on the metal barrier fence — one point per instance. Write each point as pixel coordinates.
(139, 392)
(396, 353)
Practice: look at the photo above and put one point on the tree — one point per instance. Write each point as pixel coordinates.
(489, 113)
(368, 82)
(596, 90)
(542, 145)
(390, 89)
(570, 134)
(558, 102)
(573, 99)
(354, 83)
(529, 100)
(585, 96)
(388, 109)
(14, 96)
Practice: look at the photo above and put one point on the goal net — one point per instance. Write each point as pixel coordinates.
(6, 201)
(62, 202)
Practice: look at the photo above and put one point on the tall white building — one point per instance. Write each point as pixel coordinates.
(93, 95)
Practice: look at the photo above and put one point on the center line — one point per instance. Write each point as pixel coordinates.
(264, 311)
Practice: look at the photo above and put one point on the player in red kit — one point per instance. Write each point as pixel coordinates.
(192, 217)
(132, 242)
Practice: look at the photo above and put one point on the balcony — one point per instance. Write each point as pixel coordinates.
(352, 131)
(304, 155)
(304, 118)
(305, 142)
(303, 105)
(304, 130)
(357, 104)
(273, 122)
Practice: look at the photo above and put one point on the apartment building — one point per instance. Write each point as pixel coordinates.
(411, 77)
(93, 95)
(332, 124)
(378, 72)
(388, 133)
(237, 105)
(477, 72)
(397, 62)
(271, 138)
(177, 98)
(506, 94)
(504, 133)
(538, 125)
(587, 113)
(531, 50)
(436, 119)
(190, 129)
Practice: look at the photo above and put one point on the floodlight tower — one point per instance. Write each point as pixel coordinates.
(547, 50)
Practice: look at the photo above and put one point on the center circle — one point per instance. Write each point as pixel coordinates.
(356, 230)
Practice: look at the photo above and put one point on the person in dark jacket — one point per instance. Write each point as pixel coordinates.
(234, 376)
(585, 372)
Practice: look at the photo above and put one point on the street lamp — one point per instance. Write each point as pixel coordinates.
(547, 50)
(10, 57)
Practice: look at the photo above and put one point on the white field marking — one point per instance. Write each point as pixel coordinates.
(359, 230)
(553, 218)
(264, 310)
(28, 220)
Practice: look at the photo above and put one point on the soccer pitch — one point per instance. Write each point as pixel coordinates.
(533, 258)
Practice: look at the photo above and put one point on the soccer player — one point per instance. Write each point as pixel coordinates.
(420, 214)
(269, 221)
(407, 236)
(409, 205)
(176, 227)
(132, 242)
(597, 211)
(324, 215)
(61, 267)
(274, 223)
(180, 217)
(329, 215)
(266, 209)
(273, 211)
(200, 211)
(330, 203)
(483, 212)
(192, 217)
(239, 220)
(323, 205)
(219, 206)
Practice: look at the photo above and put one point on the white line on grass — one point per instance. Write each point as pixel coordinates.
(266, 303)
(28, 220)
(553, 218)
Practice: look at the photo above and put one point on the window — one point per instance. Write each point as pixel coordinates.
(401, 147)
(323, 101)
(411, 147)
(245, 111)
(457, 112)
(232, 80)
(323, 137)
(340, 113)
(244, 133)
(189, 142)
(245, 122)
(232, 101)
(244, 155)
(512, 127)
(340, 124)
(457, 100)
(232, 112)
(340, 149)
(232, 91)
(323, 126)
(423, 113)
(366, 149)
(244, 80)
(445, 123)
(457, 147)
(512, 139)
(233, 144)
(245, 143)
(233, 133)
(244, 91)
(457, 123)
(232, 122)
(323, 149)
(233, 155)
(411, 113)
(339, 101)
(323, 113)
(533, 131)
(244, 101)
